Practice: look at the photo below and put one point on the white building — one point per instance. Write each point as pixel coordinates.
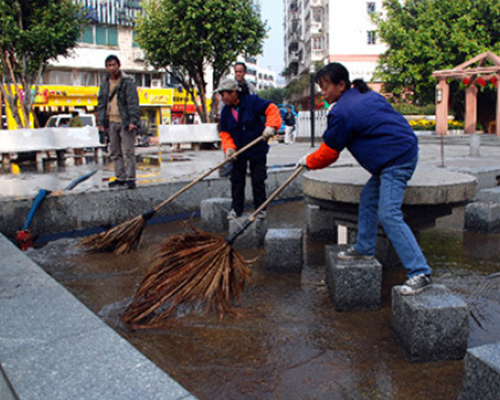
(331, 30)
(110, 32)
(260, 77)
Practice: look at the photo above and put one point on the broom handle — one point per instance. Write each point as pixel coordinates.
(252, 217)
(149, 214)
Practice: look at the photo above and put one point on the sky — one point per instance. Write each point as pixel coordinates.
(273, 56)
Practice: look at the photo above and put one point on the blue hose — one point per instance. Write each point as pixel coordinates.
(42, 193)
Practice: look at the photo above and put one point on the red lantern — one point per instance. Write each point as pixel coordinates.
(466, 81)
(481, 81)
(494, 81)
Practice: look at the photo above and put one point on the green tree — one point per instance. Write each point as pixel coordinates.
(186, 37)
(427, 35)
(31, 34)
(276, 95)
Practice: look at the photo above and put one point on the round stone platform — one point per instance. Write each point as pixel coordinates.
(431, 193)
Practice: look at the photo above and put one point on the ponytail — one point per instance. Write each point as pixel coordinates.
(360, 85)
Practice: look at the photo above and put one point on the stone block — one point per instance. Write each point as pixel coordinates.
(431, 326)
(321, 225)
(353, 285)
(213, 214)
(491, 195)
(482, 217)
(284, 250)
(253, 236)
(482, 373)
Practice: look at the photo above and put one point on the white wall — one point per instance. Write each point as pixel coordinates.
(348, 26)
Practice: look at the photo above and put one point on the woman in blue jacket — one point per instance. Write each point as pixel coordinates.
(384, 144)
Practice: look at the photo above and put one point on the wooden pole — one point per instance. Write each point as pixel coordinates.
(442, 94)
(471, 108)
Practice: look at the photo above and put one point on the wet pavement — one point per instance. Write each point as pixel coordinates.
(290, 343)
(156, 165)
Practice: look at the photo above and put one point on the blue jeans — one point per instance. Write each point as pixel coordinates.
(381, 201)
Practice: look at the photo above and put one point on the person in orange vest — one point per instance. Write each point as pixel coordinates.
(243, 119)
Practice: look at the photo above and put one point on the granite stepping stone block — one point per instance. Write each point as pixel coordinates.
(213, 214)
(482, 373)
(253, 236)
(284, 250)
(353, 285)
(430, 326)
(482, 217)
(321, 225)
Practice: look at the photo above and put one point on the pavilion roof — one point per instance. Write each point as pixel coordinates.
(474, 67)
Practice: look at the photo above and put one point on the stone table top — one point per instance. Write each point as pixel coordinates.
(428, 186)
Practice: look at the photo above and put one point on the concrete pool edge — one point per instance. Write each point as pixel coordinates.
(53, 347)
(102, 208)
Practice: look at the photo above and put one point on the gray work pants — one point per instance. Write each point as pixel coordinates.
(122, 151)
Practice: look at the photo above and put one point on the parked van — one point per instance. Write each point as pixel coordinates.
(62, 120)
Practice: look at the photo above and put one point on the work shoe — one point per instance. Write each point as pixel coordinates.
(131, 184)
(415, 284)
(261, 215)
(232, 215)
(116, 183)
(352, 254)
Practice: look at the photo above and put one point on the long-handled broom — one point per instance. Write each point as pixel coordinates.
(190, 268)
(127, 236)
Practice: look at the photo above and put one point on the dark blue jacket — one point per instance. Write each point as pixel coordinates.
(250, 124)
(375, 134)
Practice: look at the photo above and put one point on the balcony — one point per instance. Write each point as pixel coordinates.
(138, 55)
(316, 28)
(293, 57)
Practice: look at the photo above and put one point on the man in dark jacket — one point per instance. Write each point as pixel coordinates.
(118, 112)
(289, 126)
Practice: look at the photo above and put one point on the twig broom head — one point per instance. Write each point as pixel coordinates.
(188, 269)
(122, 238)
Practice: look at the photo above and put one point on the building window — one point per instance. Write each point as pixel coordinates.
(60, 78)
(134, 43)
(371, 37)
(370, 7)
(100, 35)
(318, 15)
(86, 79)
(87, 35)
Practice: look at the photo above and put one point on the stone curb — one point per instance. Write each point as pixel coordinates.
(53, 347)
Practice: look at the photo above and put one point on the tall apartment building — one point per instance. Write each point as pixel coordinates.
(331, 30)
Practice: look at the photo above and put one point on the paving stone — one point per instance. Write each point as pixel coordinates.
(482, 217)
(321, 224)
(353, 285)
(482, 373)
(284, 250)
(430, 326)
(253, 236)
(214, 214)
